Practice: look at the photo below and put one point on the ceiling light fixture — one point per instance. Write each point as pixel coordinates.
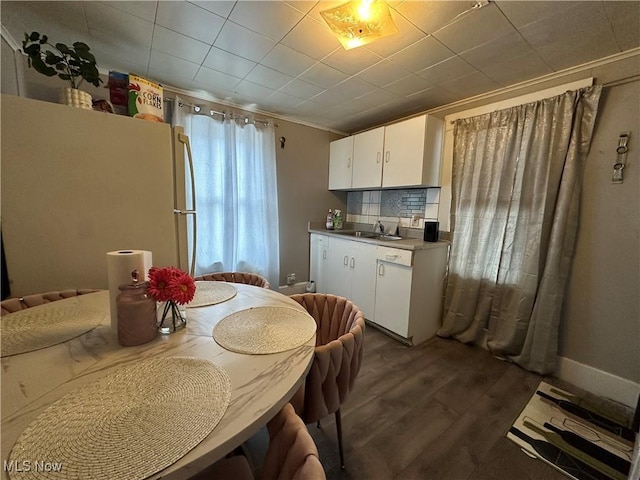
(360, 22)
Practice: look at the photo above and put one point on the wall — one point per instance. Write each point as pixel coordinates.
(601, 321)
(9, 79)
(303, 176)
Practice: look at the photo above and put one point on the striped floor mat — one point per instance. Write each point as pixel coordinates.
(572, 436)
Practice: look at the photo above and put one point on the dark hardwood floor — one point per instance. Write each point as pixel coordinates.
(436, 411)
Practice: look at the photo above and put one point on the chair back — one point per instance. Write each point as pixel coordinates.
(338, 354)
(236, 277)
(292, 454)
(11, 305)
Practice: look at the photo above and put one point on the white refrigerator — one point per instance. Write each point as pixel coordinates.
(77, 184)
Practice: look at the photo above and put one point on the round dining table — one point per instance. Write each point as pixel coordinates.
(260, 384)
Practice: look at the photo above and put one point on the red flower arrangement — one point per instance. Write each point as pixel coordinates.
(171, 284)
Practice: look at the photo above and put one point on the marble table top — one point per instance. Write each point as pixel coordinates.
(260, 384)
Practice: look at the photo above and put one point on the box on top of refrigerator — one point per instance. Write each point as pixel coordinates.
(145, 99)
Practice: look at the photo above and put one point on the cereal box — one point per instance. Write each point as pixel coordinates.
(145, 99)
(119, 91)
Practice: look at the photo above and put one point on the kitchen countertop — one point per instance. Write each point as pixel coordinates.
(406, 243)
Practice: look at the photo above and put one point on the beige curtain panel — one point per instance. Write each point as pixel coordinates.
(516, 184)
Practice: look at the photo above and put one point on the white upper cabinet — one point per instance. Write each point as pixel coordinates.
(341, 163)
(368, 149)
(412, 152)
(403, 154)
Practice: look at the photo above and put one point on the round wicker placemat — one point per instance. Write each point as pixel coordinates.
(130, 424)
(211, 292)
(264, 330)
(43, 326)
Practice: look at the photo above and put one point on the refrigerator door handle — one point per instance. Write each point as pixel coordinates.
(177, 211)
(184, 139)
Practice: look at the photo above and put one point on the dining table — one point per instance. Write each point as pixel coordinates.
(260, 384)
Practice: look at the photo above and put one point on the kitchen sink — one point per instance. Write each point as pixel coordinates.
(373, 235)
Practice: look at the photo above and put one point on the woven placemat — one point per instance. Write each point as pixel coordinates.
(43, 326)
(263, 330)
(130, 424)
(211, 292)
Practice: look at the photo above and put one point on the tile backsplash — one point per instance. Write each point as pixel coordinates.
(369, 206)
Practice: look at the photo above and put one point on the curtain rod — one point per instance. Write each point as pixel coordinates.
(622, 81)
(198, 108)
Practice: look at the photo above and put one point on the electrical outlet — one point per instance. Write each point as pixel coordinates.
(291, 278)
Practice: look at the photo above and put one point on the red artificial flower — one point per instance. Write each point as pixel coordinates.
(183, 288)
(170, 284)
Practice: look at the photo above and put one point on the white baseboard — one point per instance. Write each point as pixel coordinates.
(300, 287)
(598, 382)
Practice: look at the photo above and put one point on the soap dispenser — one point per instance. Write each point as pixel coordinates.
(329, 224)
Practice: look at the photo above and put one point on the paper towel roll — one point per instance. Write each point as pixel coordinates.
(120, 264)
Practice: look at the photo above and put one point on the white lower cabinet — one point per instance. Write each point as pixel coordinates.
(350, 272)
(318, 259)
(409, 291)
(397, 289)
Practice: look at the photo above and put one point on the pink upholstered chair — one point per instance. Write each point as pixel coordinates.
(338, 356)
(291, 454)
(11, 305)
(237, 277)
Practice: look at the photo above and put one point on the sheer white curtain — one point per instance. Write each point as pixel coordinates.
(236, 195)
(515, 203)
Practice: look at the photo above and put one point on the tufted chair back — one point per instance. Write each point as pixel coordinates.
(11, 305)
(338, 356)
(236, 277)
(291, 455)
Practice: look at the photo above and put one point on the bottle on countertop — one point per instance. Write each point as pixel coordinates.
(329, 224)
(337, 220)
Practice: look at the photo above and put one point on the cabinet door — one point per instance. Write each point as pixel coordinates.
(404, 153)
(318, 256)
(338, 271)
(393, 295)
(367, 158)
(363, 279)
(340, 163)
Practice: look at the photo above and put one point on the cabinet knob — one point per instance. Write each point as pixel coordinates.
(345, 260)
(352, 263)
(391, 257)
(378, 157)
(349, 162)
(380, 269)
(324, 254)
(386, 157)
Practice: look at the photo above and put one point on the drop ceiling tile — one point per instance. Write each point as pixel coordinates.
(323, 76)
(168, 78)
(307, 108)
(351, 61)
(287, 60)
(302, 5)
(422, 54)
(468, 86)
(222, 61)
(328, 99)
(271, 19)
(178, 45)
(279, 102)
(408, 85)
(377, 98)
(220, 8)
(301, 89)
(407, 35)
(523, 13)
(509, 46)
(145, 10)
(21, 17)
(132, 58)
(383, 73)
(353, 87)
(190, 20)
(431, 16)
(475, 28)
(267, 77)
(515, 70)
(321, 6)
(625, 21)
(243, 42)
(172, 66)
(562, 44)
(311, 38)
(121, 26)
(447, 70)
(252, 90)
(213, 80)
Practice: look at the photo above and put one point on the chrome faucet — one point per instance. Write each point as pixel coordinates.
(378, 227)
